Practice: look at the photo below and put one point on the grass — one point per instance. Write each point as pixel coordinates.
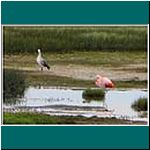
(38, 118)
(62, 39)
(93, 94)
(140, 104)
(137, 69)
(91, 58)
(39, 79)
(109, 60)
(131, 84)
(47, 80)
(14, 84)
(52, 80)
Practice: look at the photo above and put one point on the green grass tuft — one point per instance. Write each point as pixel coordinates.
(140, 104)
(93, 94)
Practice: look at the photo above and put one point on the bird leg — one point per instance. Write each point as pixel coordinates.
(41, 68)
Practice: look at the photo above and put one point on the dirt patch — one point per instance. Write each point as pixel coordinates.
(89, 72)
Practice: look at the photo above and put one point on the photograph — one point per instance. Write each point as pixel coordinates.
(75, 74)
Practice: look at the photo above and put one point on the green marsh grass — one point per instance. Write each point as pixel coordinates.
(37, 118)
(21, 39)
(101, 58)
(93, 94)
(14, 85)
(140, 104)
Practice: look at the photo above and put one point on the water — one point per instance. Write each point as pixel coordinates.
(48, 99)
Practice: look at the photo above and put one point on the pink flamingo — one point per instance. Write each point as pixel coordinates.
(103, 82)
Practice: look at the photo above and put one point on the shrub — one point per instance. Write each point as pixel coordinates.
(140, 104)
(93, 94)
(14, 84)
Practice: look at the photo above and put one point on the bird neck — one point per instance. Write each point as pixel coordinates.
(39, 54)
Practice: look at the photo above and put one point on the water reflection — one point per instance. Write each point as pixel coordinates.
(12, 101)
(89, 99)
(142, 114)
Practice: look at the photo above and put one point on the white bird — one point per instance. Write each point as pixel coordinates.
(41, 62)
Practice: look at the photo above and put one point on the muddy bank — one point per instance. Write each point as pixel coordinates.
(130, 72)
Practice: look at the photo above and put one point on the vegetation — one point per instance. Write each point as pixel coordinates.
(115, 48)
(131, 84)
(113, 61)
(79, 38)
(102, 58)
(93, 94)
(38, 118)
(52, 80)
(112, 48)
(140, 104)
(33, 78)
(14, 85)
(38, 79)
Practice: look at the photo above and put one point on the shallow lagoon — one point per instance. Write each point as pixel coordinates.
(63, 101)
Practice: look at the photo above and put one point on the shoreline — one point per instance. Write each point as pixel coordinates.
(39, 118)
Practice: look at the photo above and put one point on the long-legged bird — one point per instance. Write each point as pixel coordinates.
(41, 62)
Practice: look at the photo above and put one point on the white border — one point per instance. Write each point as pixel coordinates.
(146, 25)
(148, 70)
(0, 77)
